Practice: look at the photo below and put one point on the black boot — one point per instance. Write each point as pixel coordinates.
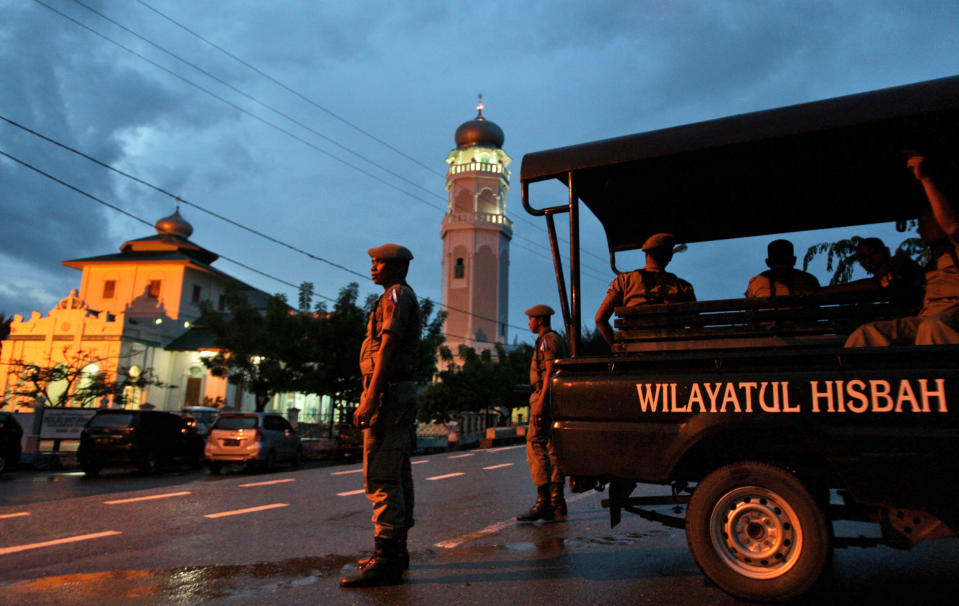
(557, 501)
(384, 568)
(402, 552)
(541, 510)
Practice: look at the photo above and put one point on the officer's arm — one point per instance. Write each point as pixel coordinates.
(945, 214)
(539, 406)
(365, 415)
(603, 315)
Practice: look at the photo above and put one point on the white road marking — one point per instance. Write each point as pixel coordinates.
(269, 483)
(19, 514)
(340, 473)
(237, 512)
(350, 493)
(469, 454)
(449, 475)
(502, 448)
(82, 537)
(417, 462)
(457, 541)
(149, 498)
(493, 528)
(497, 466)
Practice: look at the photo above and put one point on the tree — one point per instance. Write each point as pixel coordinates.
(260, 349)
(332, 346)
(278, 349)
(72, 380)
(842, 255)
(480, 382)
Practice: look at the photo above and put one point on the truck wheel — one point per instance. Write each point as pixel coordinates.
(757, 533)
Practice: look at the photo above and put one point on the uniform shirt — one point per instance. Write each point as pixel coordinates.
(782, 283)
(549, 346)
(397, 312)
(942, 282)
(644, 286)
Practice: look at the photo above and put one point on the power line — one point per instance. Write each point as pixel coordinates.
(183, 200)
(137, 218)
(276, 111)
(328, 111)
(145, 222)
(211, 213)
(291, 90)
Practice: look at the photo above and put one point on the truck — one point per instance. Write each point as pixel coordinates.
(762, 429)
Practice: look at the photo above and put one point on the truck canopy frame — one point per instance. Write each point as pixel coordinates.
(831, 163)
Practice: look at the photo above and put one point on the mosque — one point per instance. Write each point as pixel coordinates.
(476, 234)
(135, 309)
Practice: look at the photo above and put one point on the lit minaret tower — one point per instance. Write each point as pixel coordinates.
(476, 235)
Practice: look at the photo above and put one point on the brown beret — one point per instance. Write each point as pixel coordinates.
(660, 240)
(391, 252)
(539, 311)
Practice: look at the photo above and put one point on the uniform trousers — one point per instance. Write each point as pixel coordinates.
(933, 329)
(387, 473)
(541, 454)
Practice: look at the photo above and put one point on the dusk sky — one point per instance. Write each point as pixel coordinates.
(325, 125)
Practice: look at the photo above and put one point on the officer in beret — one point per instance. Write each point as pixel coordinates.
(651, 284)
(386, 415)
(550, 502)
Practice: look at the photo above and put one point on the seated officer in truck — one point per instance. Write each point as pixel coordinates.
(651, 284)
(782, 278)
(897, 276)
(938, 321)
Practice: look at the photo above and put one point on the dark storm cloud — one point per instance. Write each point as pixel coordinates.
(63, 85)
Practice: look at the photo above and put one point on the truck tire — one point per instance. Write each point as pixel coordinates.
(757, 533)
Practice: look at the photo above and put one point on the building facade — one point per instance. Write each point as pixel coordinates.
(476, 234)
(135, 312)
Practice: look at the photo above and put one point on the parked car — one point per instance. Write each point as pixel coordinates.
(10, 435)
(256, 439)
(148, 439)
(200, 417)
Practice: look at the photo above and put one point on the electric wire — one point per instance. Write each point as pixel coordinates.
(592, 271)
(213, 214)
(139, 219)
(326, 110)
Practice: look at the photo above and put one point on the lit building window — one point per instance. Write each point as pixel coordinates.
(154, 289)
(109, 288)
(459, 270)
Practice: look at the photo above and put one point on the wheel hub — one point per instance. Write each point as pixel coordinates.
(755, 531)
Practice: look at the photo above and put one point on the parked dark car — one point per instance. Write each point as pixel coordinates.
(147, 439)
(10, 435)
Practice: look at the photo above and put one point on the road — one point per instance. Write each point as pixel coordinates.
(287, 537)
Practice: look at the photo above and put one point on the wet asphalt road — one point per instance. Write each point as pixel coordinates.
(186, 538)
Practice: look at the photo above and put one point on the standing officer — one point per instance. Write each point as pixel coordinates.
(386, 414)
(550, 503)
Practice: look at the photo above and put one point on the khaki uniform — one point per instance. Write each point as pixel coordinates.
(387, 446)
(938, 320)
(644, 286)
(782, 283)
(539, 444)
